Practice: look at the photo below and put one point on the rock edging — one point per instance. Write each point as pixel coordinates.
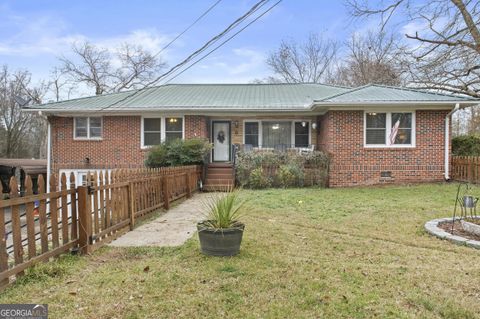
(432, 227)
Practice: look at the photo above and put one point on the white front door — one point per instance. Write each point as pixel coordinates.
(221, 141)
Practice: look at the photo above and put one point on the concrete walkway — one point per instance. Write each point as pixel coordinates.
(171, 229)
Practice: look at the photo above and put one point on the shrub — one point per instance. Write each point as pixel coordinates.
(282, 169)
(466, 145)
(258, 179)
(223, 210)
(178, 152)
(290, 175)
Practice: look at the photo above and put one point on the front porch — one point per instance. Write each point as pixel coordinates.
(294, 133)
(256, 134)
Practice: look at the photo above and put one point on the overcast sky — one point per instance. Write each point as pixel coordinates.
(33, 33)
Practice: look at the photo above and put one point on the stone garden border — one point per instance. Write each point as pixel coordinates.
(432, 228)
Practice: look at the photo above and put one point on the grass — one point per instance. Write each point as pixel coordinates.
(307, 253)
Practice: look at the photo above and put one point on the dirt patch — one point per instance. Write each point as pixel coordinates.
(457, 230)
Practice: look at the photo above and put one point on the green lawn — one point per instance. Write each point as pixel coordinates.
(307, 253)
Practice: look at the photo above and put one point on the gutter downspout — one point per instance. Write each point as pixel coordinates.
(49, 145)
(447, 141)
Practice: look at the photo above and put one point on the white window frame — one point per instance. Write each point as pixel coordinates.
(292, 131)
(259, 131)
(294, 142)
(388, 130)
(88, 129)
(162, 128)
(165, 126)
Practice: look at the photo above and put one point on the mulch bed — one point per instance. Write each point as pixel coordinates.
(458, 230)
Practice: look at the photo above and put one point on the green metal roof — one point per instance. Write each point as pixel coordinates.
(242, 97)
(204, 96)
(382, 93)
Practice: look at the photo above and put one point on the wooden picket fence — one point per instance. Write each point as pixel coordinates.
(37, 227)
(465, 169)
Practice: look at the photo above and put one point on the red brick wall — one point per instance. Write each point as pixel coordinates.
(120, 145)
(352, 164)
(323, 133)
(340, 133)
(196, 126)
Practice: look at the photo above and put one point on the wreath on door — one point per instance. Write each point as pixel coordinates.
(221, 136)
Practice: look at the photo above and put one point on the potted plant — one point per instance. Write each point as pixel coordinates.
(221, 233)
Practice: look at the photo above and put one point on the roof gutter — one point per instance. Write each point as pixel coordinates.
(305, 108)
(385, 102)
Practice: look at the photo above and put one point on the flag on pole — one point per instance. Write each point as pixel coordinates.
(394, 132)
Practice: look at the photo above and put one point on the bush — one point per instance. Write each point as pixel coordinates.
(281, 169)
(258, 179)
(466, 145)
(290, 175)
(178, 152)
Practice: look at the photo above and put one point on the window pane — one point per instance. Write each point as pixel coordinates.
(173, 124)
(300, 129)
(81, 127)
(81, 132)
(301, 140)
(151, 125)
(301, 134)
(376, 120)
(376, 136)
(251, 128)
(171, 136)
(251, 140)
(81, 122)
(404, 136)
(95, 132)
(251, 133)
(405, 119)
(277, 134)
(95, 122)
(151, 139)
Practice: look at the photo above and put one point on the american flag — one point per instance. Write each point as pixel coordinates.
(393, 134)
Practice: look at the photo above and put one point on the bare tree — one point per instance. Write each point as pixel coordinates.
(446, 56)
(59, 86)
(128, 67)
(372, 58)
(310, 61)
(23, 133)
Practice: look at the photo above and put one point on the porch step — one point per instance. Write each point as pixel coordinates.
(217, 188)
(220, 177)
(213, 165)
(228, 181)
(220, 170)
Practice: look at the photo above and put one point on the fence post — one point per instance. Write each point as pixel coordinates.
(470, 171)
(166, 193)
(131, 206)
(3, 242)
(187, 181)
(85, 220)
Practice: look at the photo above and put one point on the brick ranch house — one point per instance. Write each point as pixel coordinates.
(353, 125)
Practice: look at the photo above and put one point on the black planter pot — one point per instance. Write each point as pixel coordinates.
(220, 242)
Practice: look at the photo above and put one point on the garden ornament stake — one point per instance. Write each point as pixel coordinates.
(466, 201)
